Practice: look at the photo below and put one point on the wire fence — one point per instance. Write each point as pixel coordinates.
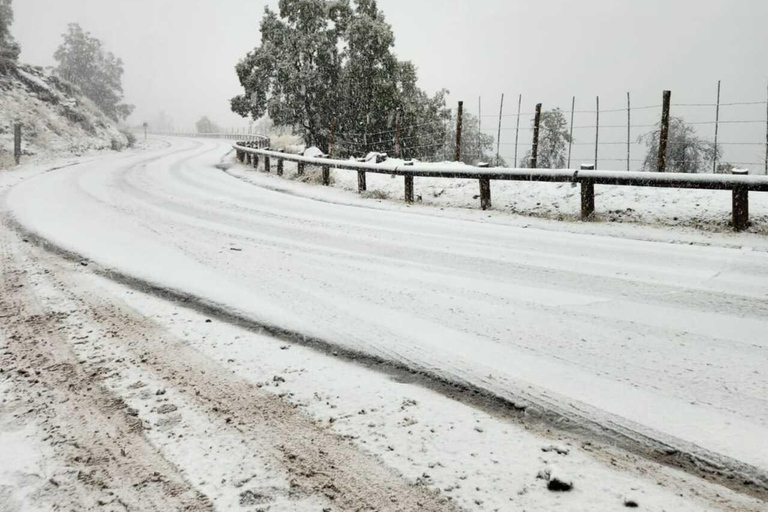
(615, 138)
(609, 137)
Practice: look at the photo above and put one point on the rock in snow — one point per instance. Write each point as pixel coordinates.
(556, 480)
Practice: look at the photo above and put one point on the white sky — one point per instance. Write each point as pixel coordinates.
(180, 54)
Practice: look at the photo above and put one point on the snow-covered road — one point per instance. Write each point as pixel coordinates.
(652, 339)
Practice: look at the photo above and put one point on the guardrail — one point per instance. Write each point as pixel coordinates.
(739, 183)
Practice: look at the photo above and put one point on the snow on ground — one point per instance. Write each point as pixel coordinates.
(654, 339)
(24, 459)
(163, 365)
(481, 461)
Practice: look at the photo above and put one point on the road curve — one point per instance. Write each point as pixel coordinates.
(654, 339)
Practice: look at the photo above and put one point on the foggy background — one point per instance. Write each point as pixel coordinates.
(179, 55)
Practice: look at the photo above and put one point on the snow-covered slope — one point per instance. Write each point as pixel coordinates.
(56, 119)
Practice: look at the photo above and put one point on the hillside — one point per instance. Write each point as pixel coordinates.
(57, 120)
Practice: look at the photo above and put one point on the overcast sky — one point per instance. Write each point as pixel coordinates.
(180, 54)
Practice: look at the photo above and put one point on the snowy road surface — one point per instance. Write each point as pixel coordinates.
(656, 340)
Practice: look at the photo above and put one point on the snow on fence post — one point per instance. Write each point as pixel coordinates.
(535, 148)
(740, 203)
(587, 195)
(17, 143)
(664, 134)
(459, 119)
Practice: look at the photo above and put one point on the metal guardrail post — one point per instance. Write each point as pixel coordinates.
(740, 203)
(587, 195)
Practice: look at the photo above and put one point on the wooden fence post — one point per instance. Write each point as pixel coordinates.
(326, 175)
(517, 129)
(397, 134)
(459, 119)
(480, 114)
(300, 169)
(535, 149)
(597, 127)
(587, 195)
(330, 142)
(485, 193)
(17, 143)
(629, 129)
(266, 163)
(664, 134)
(362, 185)
(740, 203)
(279, 166)
(498, 133)
(409, 189)
(717, 126)
(255, 161)
(570, 136)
